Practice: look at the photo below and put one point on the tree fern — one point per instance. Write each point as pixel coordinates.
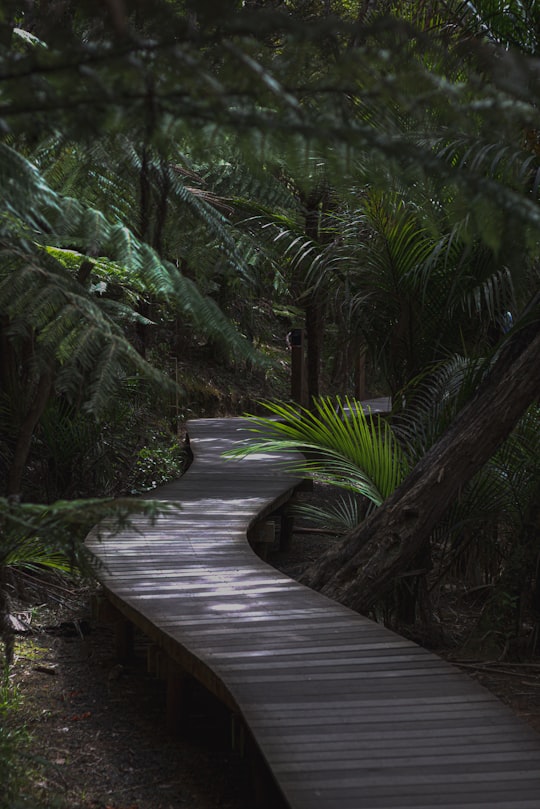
(32, 532)
(36, 285)
(181, 208)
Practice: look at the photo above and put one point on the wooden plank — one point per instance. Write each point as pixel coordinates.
(346, 714)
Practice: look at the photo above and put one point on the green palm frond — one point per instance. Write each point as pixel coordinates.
(518, 460)
(492, 505)
(340, 517)
(509, 23)
(493, 294)
(487, 521)
(421, 285)
(32, 553)
(486, 502)
(343, 445)
(432, 400)
(407, 243)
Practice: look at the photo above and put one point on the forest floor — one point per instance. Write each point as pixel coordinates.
(97, 737)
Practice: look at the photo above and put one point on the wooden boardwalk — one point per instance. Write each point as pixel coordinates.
(345, 713)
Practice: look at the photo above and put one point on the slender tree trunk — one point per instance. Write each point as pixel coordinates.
(317, 205)
(26, 431)
(364, 566)
(360, 386)
(145, 202)
(7, 24)
(162, 206)
(314, 336)
(7, 364)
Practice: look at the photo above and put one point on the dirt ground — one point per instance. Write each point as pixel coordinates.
(98, 736)
(97, 728)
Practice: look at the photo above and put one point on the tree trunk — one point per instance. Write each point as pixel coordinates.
(314, 336)
(317, 208)
(363, 567)
(360, 387)
(26, 432)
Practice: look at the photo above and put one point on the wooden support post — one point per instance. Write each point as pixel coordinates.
(124, 637)
(178, 687)
(286, 528)
(238, 735)
(95, 606)
(154, 662)
(261, 537)
(103, 610)
(157, 662)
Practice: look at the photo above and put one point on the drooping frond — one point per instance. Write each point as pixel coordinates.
(432, 400)
(398, 100)
(345, 514)
(26, 196)
(343, 445)
(508, 23)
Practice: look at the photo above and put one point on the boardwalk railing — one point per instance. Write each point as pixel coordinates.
(345, 713)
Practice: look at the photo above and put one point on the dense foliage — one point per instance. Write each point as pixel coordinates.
(178, 178)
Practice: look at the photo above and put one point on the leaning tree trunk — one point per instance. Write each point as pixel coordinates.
(363, 567)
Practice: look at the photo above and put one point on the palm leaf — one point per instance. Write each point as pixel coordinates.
(339, 517)
(344, 446)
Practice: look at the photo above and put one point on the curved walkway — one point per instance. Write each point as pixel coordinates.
(346, 714)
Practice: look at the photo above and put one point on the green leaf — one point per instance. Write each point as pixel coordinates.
(344, 446)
